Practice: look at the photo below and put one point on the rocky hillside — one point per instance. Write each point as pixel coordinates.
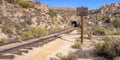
(22, 20)
(107, 17)
(27, 19)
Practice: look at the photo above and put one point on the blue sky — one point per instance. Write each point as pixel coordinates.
(91, 4)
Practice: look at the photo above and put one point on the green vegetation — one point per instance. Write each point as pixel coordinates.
(32, 33)
(18, 26)
(117, 32)
(99, 31)
(55, 30)
(20, 40)
(77, 45)
(2, 40)
(90, 34)
(38, 3)
(104, 18)
(10, 1)
(70, 56)
(25, 5)
(52, 13)
(116, 23)
(40, 31)
(110, 48)
(116, 58)
(26, 35)
(35, 32)
(6, 30)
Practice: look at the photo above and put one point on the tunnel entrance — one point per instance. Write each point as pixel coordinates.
(75, 23)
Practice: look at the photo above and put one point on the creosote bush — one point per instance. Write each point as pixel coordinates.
(6, 30)
(116, 23)
(104, 18)
(52, 13)
(110, 48)
(25, 4)
(35, 32)
(40, 31)
(26, 35)
(99, 31)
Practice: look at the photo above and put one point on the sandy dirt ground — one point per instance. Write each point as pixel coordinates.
(62, 45)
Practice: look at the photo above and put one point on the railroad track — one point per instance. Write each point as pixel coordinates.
(8, 51)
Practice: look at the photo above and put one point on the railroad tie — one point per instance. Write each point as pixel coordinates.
(17, 53)
(24, 50)
(29, 48)
(7, 56)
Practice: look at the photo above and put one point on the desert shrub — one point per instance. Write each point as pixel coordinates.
(2, 40)
(104, 18)
(55, 30)
(117, 58)
(70, 56)
(10, 1)
(6, 30)
(117, 32)
(38, 3)
(18, 26)
(110, 48)
(40, 31)
(99, 31)
(116, 23)
(90, 34)
(29, 22)
(34, 31)
(20, 39)
(52, 13)
(25, 5)
(77, 45)
(26, 35)
(17, 1)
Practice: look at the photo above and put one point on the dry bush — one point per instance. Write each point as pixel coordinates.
(116, 23)
(2, 40)
(25, 4)
(26, 35)
(109, 49)
(99, 31)
(90, 35)
(60, 56)
(117, 58)
(77, 45)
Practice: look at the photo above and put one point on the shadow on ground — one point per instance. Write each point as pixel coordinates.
(88, 54)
